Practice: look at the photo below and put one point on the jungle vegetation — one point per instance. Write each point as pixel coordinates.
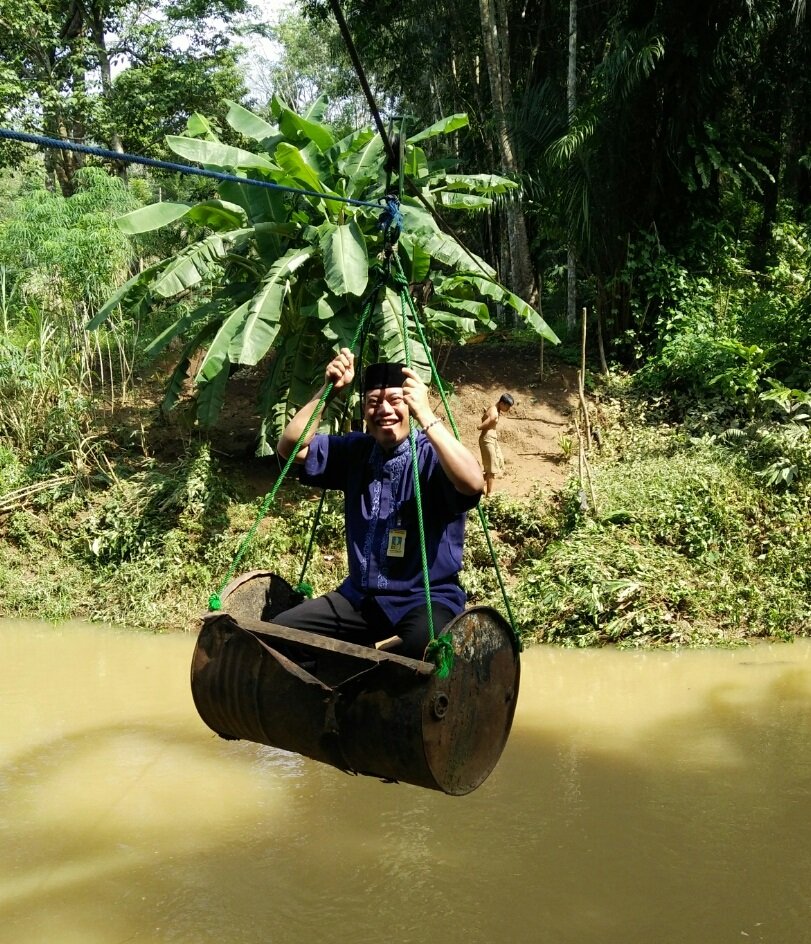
(648, 162)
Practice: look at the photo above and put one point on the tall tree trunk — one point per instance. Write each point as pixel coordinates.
(495, 34)
(64, 164)
(105, 71)
(571, 103)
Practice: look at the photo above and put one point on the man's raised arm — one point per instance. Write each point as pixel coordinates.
(340, 373)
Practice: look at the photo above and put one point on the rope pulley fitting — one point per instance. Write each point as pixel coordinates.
(391, 219)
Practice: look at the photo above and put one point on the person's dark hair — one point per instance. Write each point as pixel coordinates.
(506, 398)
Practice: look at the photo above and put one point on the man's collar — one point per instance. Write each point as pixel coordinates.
(380, 455)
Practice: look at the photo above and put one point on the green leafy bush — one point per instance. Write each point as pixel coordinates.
(141, 512)
(688, 547)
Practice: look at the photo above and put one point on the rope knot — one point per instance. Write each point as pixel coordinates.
(440, 652)
(214, 602)
(391, 219)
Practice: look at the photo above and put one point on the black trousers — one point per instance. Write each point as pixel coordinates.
(333, 615)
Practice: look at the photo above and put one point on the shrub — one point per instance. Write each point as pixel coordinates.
(688, 547)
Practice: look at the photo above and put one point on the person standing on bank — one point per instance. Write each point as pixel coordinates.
(492, 459)
(382, 601)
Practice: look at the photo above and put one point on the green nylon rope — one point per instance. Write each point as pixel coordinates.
(399, 277)
(215, 600)
(303, 586)
(439, 650)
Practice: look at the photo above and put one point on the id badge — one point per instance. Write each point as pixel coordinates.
(396, 546)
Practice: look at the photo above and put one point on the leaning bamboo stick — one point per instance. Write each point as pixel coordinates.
(581, 376)
(12, 500)
(584, 469)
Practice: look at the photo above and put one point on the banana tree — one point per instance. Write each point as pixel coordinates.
(280, 274)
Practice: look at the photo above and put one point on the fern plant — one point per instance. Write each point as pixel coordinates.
(779, 443)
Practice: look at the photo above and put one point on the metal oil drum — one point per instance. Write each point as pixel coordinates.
(359, 709)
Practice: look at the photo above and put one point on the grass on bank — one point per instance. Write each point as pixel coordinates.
(688, 545)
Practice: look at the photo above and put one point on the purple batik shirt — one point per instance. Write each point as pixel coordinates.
(379, 499)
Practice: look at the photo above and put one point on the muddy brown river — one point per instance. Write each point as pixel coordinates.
(643, 798)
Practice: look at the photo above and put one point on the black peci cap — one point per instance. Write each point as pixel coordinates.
(377, 376)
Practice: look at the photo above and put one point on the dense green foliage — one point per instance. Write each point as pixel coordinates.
(686, 546)
(281, 275)
(688, 128)
(681, 179)
(59, 257)
(115, 73)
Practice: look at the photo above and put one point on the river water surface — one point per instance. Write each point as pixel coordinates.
(643, 798)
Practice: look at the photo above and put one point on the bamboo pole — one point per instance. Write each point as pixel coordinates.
(600, 345)
(584, 471)
(581, 388)
(584, 435)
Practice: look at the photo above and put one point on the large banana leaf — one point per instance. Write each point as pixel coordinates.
(446, 249)
(324, 308)
(387, 322)
(479, 183)
(466, 201)
(294, 126)
(354, 141)
(346, 265)
(340, 329)
(530, 317)
(290, 159)
(272, 403)
(151, 217)
(261, 204)
(250, 125)
(194, 263)
(265, 209)
(295, 373)
(419, 261)
(305, 360)
(491, 289)
(213, 214)
(217, 353)
(470, 307)
(181, 371)
(219, 215)
(416, 164)
(132, 295)
(363, 164)
(316, 112)
(450, 326)
(211, 396)
(212, 312)
(216, 154)
(263, 314)
(198, 126)
(443, 126)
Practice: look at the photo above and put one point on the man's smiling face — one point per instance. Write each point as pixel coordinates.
(386, 416)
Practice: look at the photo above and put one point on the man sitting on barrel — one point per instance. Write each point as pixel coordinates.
(382, 601)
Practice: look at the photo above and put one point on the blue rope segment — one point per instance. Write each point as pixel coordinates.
(391, 219)
(42, 141)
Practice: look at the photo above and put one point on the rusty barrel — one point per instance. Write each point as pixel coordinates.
(359, 709)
